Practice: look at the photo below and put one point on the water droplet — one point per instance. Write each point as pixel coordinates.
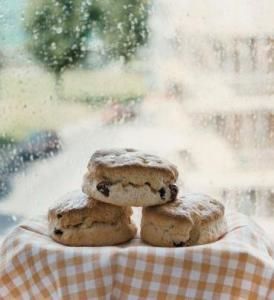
(59, 30)
(53, 46)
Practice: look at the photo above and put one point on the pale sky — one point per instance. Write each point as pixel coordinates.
(240, 17)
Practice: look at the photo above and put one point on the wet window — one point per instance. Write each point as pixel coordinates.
(191, 81)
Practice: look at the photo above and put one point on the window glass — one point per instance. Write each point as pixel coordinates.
(191, 81)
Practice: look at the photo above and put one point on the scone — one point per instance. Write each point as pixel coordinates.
(192, 219)
(129, 177)
(77, 220)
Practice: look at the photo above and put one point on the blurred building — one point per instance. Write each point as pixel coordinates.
(218, 58)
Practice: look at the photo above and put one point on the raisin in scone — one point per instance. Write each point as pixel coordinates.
(128, 177)
(77, 220)
(192, 219)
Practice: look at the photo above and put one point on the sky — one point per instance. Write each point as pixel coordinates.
(210, 16)
(11, 28)
(218, 17)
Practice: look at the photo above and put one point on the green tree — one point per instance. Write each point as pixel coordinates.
(124, 26)
(58, 32)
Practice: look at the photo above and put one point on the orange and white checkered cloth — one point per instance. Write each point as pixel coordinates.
(238, 266)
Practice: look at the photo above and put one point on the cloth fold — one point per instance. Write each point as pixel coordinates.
(238, 266)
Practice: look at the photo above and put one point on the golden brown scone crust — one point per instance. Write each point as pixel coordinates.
(77, 220)
(121, 160)
(191, 219)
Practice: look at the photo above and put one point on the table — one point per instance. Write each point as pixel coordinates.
(238, 266)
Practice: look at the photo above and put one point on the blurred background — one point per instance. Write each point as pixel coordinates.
(192, 81)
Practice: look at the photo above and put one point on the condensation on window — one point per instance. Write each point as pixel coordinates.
(191, 81)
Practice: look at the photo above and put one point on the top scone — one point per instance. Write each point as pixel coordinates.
(128, 177)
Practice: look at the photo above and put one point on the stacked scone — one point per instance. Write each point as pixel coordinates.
(121, 178)
(192, 219)
(79, 220)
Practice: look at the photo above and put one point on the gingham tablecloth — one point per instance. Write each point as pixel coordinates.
(238, 266)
